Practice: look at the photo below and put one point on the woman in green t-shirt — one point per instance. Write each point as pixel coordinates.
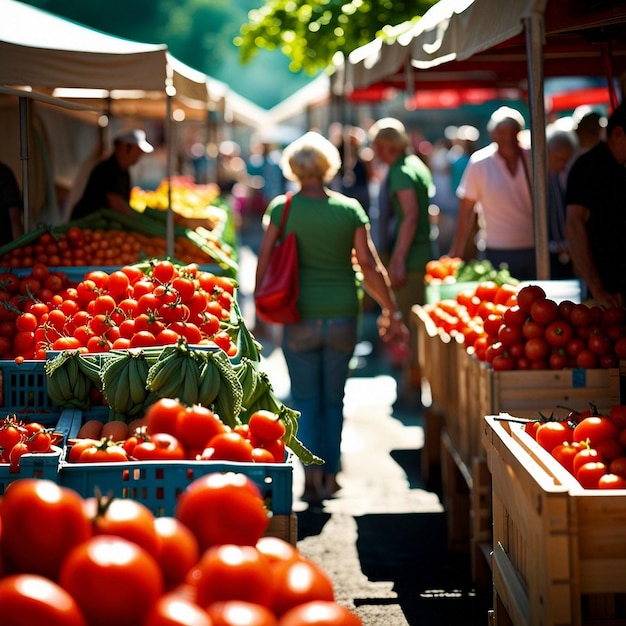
(333, 238)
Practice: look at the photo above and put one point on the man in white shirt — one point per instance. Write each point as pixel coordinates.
(496, 185)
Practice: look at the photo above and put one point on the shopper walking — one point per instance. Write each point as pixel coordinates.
(333, 238)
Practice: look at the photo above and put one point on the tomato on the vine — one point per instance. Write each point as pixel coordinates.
(551, 434)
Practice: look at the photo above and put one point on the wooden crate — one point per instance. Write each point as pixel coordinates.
(559, 551)
(526, 393)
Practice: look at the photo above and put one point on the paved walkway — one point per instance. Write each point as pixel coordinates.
(383, 538)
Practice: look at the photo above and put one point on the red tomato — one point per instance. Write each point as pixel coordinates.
(505, 293)
(298, 582)
(611, 481)
(609, 449)
(228, 446)
(581, 316)
(266, 426)
(163, 271)
(25, 504)
(492, 325)
(536, 349)
(558, 360)
(565, 452)
(510, 335)
(544, 311)
(618, 415)
(595, 428)
(620, 347)
(502, 362)
(178, 550)
(529, 294)
(173, 610)
(223, 508)
(160, 447)
(239, 613)
(589, 474)
(531, 429)
(232, 572)
(113, 580)
(558, 333)
(319, 613)
(587, 359)
(533, 330)
(129, 519)
(33, 599)
(162, 416)
(277, 550)
(599, 344)
(618, 466)
(196, 426)
(551, 434)
(514, 316)
(262, 455)
(586, 455)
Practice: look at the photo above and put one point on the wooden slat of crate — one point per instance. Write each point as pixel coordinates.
(526, 393)
(284, 527)
(431, 356)
(556, 546)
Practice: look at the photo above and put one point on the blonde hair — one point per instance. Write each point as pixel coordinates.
(310, 156)
(391, 131)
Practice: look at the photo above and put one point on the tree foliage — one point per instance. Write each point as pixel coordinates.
(310, 32)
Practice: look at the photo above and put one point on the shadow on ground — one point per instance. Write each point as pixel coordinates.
(433, 585)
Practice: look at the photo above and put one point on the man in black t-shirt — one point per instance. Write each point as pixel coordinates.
(109, 183)
(595, 224)
(11, 210)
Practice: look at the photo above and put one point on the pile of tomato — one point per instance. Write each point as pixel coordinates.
(442, 269)
(107, 561)
(171, 431)
(521, 330)
(18, 437)
(591, 446)
(147, 304)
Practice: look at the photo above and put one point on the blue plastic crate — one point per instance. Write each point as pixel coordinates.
(24, 386)
(158, 484)
(32, 466)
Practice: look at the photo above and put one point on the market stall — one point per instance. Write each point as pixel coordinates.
(40, 52)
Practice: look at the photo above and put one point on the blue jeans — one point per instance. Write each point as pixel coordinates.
(318, 353)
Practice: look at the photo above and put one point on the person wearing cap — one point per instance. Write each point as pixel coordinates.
(595, 223)
(109, 183)
(496, 186)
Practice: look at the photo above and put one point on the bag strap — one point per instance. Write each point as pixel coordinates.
(283, 221)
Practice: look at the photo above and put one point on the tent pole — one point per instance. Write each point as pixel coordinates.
(534, 27)
(169, 141)
(24, 156)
